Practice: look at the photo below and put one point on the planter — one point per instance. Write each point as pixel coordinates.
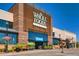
(17, 49)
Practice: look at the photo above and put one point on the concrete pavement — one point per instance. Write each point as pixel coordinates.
(51, 52)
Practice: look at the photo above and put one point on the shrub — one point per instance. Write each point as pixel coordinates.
(17, 49)
(20, 46)
(31, 45)
(10, 50)
(1, 50)
(48, 47)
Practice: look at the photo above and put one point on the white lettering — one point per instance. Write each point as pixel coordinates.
(39, 19)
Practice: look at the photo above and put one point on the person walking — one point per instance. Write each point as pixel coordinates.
(67, 43)
(62, 44)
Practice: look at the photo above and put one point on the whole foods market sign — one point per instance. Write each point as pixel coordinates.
(39, 20)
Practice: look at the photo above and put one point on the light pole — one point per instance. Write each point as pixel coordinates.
(61, 43)
(62, 51)
(6, 38)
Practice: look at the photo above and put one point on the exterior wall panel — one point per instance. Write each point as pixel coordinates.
(64, 34)
(6, 15)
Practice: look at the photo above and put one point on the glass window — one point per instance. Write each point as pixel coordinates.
(3, 24)
(53, 33)
(36, 36)
(56, 41)
(1, 38)
(13, 38)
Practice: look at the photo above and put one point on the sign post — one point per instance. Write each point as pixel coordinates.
(6, 38)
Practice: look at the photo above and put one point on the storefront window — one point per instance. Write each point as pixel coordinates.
(55, 41)
(3, 24)
(1, 38)
(13, 38)
(53, 33)
(36, 36)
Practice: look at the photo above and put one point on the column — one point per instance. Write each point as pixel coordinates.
(22, 36)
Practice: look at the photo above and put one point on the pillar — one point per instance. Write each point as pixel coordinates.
(22, 36)
(49, 40)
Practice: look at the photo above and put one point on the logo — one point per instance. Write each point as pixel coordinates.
(39, 20)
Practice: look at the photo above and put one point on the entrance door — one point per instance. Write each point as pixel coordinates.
(38, 45)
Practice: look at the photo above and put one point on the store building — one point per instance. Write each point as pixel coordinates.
(32, 24)
(63, 35)
(26, 24)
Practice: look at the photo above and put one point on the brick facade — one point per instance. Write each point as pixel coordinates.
(23, 21)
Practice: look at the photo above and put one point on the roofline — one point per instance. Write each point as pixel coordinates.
(39, 9)
(65, 30)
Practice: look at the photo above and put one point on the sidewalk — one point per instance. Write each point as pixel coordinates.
(28, 51)
(42, 52)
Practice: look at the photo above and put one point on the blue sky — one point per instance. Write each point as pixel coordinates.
(65, 16)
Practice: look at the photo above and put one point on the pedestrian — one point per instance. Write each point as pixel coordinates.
(62, 44)
(67, 43)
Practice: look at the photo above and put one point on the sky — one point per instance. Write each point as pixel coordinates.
(65, 16)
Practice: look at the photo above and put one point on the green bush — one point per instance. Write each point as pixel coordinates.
(10, 50)
(48, 47)
(31, 45)
(20, 46)
(1, 50)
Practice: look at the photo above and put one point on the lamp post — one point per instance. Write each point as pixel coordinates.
(61, 44)
(6, 38)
